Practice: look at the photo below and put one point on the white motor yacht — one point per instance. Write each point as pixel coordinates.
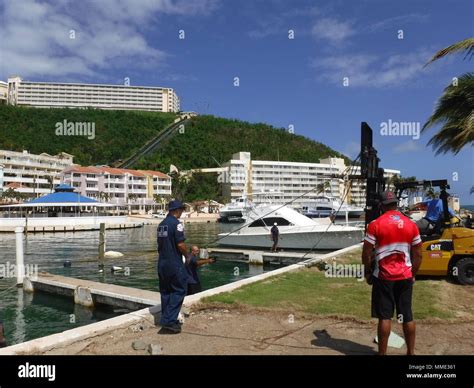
(296, 230)
(234, 211)
(326, 206)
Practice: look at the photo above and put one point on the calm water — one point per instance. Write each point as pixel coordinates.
(29, 316)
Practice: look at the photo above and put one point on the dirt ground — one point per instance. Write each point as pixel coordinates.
(218, 330)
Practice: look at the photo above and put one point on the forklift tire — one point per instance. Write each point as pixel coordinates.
(465, 269)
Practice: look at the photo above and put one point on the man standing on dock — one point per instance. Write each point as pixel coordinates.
(397, 245)
(275, 235)
(172, 273)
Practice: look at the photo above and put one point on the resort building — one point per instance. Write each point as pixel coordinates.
(98, 96)
(29, 174)
(3, 92)
(288, 181)
(118, 186)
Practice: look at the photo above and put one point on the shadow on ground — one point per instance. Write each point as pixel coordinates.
(324, 339)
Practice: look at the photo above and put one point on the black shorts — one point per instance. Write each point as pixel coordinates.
(388, 295)
(194, 288)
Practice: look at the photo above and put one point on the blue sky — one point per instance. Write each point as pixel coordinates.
(283, 81)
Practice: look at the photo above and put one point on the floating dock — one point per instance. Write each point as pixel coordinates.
(70, 228)
(262, 257)
(89, 293)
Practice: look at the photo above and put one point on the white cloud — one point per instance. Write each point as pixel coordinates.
(408, 146)
(109, 34)
(398, 21)
(333, 30)
(279, 22)
(368, 70)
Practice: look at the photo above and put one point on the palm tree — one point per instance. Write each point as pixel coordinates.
(322, 187)
(455, 108)
(50, 180)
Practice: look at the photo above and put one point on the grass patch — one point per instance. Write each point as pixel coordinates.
(309, 291)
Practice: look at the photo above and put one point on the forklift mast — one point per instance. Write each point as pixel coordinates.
(371, 173)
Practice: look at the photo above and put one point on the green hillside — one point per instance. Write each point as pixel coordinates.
(117, 133)
(207, 141)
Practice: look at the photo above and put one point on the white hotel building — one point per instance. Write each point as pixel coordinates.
(122, 186)
(286, 181)
(33, 175)
(98, 96)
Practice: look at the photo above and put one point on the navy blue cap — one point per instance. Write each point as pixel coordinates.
(175, 204)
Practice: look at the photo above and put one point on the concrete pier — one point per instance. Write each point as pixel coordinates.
(68, 228)
(89, 293)
(262, 257)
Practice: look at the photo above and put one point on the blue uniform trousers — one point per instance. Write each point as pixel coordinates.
(173, 288)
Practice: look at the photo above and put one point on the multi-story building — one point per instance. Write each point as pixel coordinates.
(3, 92)
(29, 174)
(99, 96)
(356, 194)
(116, 185)
(290, 181)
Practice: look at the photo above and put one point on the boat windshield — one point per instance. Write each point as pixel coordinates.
(269, 221)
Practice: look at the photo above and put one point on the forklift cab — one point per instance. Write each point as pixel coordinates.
(448, 247)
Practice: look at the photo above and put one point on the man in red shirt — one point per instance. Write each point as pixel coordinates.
(395, 262)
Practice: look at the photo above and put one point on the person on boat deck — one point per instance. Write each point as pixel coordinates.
(275, 234)
(173, 278)
(194, 283)
(433, 217)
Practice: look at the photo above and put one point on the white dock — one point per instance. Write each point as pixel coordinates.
(89, 293)
(260, 256)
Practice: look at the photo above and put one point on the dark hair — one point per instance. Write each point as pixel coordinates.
(390, 206)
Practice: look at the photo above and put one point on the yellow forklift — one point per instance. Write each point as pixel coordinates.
(448, 250)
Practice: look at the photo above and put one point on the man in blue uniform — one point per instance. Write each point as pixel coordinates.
(171, 269)
(434, 216)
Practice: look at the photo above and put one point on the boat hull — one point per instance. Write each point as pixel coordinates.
(302, 240)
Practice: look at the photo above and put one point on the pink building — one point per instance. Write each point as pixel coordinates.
(117, 185)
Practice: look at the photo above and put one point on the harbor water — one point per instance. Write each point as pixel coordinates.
(29, 316)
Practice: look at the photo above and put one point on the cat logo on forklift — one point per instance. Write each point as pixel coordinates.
(443, 245)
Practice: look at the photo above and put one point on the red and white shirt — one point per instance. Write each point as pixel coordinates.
(393, 235)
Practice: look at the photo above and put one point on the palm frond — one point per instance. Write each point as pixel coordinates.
(455, 113)
(466, 45)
